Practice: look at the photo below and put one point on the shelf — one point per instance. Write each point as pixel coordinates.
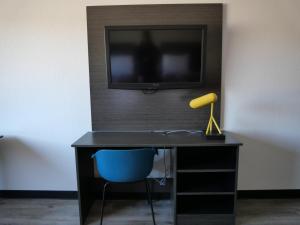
(205, 182)
(206, 204)
(205, 193)
(207, 219)
(208, 158)
(205, 170)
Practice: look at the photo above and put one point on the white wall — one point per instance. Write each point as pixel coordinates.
(261, 83)
(45, 103)
(44, 86)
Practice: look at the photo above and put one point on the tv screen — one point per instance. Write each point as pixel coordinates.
(155, 57)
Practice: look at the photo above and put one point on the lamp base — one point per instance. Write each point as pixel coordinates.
(215, 136)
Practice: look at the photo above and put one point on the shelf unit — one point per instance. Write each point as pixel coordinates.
(205, 185)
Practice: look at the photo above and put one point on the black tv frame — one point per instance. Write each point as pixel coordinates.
(156, 86)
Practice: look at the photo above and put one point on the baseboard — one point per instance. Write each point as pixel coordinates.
(38, 194)
(22, 194)
(242, 194)
(268, 194)
(135, 196)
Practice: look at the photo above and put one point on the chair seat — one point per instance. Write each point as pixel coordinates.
(128, 165)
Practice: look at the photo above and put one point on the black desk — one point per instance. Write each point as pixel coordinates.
(204, 173)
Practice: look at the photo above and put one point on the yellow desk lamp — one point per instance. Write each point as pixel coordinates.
(202, 101)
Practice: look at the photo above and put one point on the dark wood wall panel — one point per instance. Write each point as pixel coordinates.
(166, 109)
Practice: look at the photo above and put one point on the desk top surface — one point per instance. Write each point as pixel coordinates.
(149, 139)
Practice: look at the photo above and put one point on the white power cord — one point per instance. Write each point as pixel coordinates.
(167, 132)
(163, 181)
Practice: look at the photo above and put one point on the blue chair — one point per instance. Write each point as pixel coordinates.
(125, 166)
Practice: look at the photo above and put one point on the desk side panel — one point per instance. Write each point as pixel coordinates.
(85, 181)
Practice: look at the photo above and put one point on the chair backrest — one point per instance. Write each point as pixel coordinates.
(128, 165)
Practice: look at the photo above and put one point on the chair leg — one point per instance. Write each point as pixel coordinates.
(150, 200)
(103, 201)
(148, 189)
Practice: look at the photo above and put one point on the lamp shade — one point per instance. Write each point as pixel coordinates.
(203, 100)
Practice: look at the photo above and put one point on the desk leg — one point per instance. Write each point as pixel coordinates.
(85, 182)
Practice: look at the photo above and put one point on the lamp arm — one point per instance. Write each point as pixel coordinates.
(212, 121)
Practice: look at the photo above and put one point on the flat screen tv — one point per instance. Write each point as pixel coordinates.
(155, 57)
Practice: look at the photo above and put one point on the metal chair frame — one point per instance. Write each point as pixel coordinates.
(149, 198)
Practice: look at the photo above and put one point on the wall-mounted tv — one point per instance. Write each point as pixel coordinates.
(155, 57)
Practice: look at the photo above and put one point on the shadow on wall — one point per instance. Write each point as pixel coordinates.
(266, 165)
(160, 161)
(16, 158)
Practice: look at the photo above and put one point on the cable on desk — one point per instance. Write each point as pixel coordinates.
(167, 132)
